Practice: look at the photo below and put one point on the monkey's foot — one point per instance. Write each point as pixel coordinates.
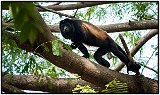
(107, 65)
(134, 68)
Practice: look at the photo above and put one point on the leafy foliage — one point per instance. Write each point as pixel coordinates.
(66, 46)
(55, 48)
(138, 10)
(17, 61)
(143, 10)
(100, 13)
(83, 89)
(24, 15)
(116, 86)
(87, 15)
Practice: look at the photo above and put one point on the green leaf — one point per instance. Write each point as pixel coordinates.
(32, 36)
(66, 46)
(45, 47)
(25, 20)
(83, 89)
(5, 5)
(24, 34)
(55, 48)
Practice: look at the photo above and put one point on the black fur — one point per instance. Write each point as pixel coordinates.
(80, 32)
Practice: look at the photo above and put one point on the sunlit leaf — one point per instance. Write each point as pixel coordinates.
(116, 86)
(55, 48)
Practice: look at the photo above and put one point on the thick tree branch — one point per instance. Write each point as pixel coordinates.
(135, 25)
(140, 43)
(35, 83)
(10, 89)
(111, 28)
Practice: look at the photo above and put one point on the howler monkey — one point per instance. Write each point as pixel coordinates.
(80, 32)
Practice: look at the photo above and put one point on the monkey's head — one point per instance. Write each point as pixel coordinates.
(67, 28)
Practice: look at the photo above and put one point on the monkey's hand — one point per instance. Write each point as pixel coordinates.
(86, 56)
(134, 67)
(73, 46)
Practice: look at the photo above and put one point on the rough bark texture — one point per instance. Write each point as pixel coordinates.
(30, 82)
(10, 89)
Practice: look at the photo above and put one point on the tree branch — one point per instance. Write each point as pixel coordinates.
(136, 25)
(121, 27)
(59, 13)
(35, 83)
(128, 53)
(126, 49)
(140, 43)
(10, 89)
(111, 28)
(73, 6)
(78, 5)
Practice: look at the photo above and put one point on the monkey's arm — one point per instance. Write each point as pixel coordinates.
(84, 50)
(76, 43)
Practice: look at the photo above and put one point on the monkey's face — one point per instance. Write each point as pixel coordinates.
(66, 30)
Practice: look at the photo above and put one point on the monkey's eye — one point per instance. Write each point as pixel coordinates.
(66, 29)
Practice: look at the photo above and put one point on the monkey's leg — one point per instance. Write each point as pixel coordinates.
(98, 57)
(115, 50)
(131, 67)
(121, 50)
(84, 50)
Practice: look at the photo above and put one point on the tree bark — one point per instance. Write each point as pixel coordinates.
(74, 6)
(46, 84)
(111, 28)
(78, 5)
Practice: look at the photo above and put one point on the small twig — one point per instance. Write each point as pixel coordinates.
(148, 62)
(9, 20)
(126, 49)
(154, 11)
(75, 13)
(59, 13)
(148, 68)
(57, 3)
